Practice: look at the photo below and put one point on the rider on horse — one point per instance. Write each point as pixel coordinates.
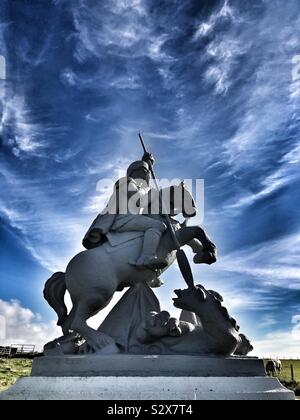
(92, 277)
(123, 214)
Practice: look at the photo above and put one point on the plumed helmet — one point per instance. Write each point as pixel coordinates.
(135, 166)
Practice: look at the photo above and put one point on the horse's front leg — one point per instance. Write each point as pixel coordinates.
(205, 250)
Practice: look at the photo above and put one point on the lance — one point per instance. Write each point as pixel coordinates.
(183, 261)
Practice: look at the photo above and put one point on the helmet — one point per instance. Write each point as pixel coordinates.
(137, 165)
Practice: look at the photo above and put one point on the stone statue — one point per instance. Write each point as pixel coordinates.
(93, 276)
(146, 329)
(140, 349)
(129, 247)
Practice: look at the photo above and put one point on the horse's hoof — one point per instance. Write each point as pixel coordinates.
(211, 258)
(156, 283)
(209, 247)
(205, 258)
(198, 258)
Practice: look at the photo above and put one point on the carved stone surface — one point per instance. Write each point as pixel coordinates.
(137, 325)
(125, 377)
(125, 250)
(146, 366)
(150, 389)
(140, 351)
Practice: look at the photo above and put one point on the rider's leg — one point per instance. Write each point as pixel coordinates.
(154, 230)
(148, 256)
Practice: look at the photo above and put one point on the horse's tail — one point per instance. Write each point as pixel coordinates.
(54, 293)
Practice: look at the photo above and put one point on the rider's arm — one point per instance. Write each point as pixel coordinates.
(149, 158)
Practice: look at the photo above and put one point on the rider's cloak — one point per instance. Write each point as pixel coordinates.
(104, 222)
(126, 317)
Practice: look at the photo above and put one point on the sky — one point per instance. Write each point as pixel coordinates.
(214, 86)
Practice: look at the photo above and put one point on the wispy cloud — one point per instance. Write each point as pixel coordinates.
(121, 26)
(274, 262)
(31, 212)
(224, 50)
(268, 321)
(281, 177)
(225, 11)
(21, 326)
(115, 170)
(280, 344)
(18, 130)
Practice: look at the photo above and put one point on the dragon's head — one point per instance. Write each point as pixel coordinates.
(205, 303)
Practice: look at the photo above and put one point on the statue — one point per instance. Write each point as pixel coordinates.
(140, 349)
(129, 247)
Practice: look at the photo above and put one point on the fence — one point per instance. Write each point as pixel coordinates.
(17, 350)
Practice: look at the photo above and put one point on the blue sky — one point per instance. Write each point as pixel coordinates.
(212, 86)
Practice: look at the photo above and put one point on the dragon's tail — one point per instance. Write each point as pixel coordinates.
(54, 293)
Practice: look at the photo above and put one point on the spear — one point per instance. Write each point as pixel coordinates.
(183, 261)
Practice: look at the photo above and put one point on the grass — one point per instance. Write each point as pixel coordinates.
(11, 370)
(286, 374)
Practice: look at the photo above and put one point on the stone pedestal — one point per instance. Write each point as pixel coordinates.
(147, 378)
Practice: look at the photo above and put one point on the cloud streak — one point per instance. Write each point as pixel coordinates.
(280, 344)
(273, 262)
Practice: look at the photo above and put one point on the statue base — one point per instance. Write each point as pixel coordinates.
(129, 377)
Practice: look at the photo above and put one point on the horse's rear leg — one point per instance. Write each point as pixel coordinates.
(97, 341)
(66, 327)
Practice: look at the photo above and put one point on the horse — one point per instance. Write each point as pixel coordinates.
(93, 276)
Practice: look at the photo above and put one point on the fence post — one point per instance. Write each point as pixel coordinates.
(292, 372)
